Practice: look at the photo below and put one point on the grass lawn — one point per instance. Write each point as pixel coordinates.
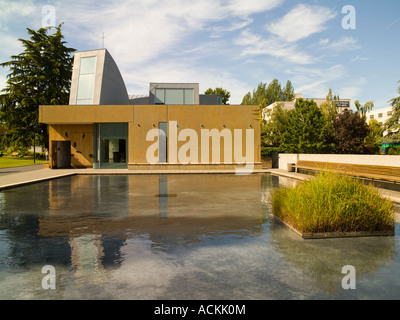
(6, 162)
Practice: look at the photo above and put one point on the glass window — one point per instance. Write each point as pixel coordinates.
(174, 96)
(389, 113)
(85, 86)
(88, 65)
(162, 142)
(371, 116)
(380, 115)
(160, 96)
(87, 71)
(189, 96)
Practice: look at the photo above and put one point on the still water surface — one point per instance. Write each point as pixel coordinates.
(176, 237)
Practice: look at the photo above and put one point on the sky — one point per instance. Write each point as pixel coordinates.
(234, 44)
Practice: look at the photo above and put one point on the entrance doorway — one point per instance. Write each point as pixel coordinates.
(60, 155)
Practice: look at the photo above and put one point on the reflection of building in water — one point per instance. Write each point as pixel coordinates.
(86, 255)
(98, 213)
(163, 196)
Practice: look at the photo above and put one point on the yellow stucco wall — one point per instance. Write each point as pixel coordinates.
(84, 114)
(81, 138)
(78, 122)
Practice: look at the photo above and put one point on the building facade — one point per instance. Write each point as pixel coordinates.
(380, 115)
(172, 128)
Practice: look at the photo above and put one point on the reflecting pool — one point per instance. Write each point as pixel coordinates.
(176, 237)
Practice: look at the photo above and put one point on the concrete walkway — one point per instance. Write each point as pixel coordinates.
(22, 177)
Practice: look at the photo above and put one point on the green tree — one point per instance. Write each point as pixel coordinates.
(257, 97)
(363, 109)
(265, 95)
(274, 128)
(223, 92)
(274, 92)
(330, 111)
(40, 75)
(392, 125)
(306, 129)
(374, 136)
(329, 108)
(288, 92)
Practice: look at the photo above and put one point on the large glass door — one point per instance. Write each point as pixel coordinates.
(111, 146)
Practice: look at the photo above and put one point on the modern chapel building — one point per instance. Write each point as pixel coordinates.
(174, 127)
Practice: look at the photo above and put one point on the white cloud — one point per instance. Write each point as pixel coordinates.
(9, 45)
(315, 82)
(301, 22)
(324, 42)
(350, 92)
(255, 44)
(153, 40)
(218, 31)
(11, 13)
(248, 7)
(341, 44)
(281, 42)
(138, 31)
(12, 10)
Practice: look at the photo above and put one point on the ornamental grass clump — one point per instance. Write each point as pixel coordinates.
(333, 203)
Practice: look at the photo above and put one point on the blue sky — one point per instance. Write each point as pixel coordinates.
(232, 44)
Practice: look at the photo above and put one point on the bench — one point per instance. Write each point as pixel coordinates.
(14, 154)
(358, 170)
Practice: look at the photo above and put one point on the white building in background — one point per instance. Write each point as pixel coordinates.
(381, 115)
(289, 105)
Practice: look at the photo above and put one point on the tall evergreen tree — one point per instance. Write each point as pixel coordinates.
(40, 75)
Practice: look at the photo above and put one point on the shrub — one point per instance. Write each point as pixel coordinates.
(269, 151)
(393, 151)
(333, 203)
